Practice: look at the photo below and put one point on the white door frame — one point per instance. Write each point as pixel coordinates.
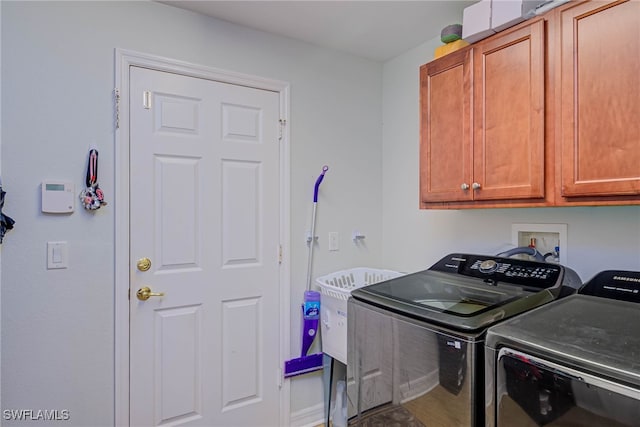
(123, 60)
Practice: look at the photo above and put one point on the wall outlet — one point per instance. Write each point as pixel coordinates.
(545, 237)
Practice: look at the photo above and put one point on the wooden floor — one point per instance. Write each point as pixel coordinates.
(440, 408)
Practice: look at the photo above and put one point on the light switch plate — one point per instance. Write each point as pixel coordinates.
(57, 255)
(334, 241)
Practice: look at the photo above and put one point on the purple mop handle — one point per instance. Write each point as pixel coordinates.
(325, 168)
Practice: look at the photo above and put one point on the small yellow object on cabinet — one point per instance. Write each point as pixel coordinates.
(449, 47)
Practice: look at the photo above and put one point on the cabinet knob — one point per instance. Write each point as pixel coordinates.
(475, 186)
(464, 186)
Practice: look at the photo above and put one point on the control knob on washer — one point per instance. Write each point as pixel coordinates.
(488, 266)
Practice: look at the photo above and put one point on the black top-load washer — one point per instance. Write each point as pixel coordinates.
(575, 362)
(416, 343)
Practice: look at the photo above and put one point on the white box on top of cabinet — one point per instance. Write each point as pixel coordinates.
(476, 21)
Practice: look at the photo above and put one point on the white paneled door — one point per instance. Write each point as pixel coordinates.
(204, 219)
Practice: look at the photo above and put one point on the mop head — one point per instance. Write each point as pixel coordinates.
(302, 365)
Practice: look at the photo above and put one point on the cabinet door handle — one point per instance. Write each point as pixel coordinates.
(464, 186)
(475, 186)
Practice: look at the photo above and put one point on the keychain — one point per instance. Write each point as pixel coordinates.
(92, 197)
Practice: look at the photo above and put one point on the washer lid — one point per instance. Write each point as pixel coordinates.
(468, 292)
(596, 334)
(452, 300)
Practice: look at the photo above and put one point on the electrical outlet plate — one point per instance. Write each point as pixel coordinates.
(547, 236)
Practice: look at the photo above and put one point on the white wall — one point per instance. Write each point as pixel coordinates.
(57, 83)
(598, 237)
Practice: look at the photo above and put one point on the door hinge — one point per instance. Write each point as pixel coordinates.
(279, 254)
(146, 99)
(283, 123)
(116, 100)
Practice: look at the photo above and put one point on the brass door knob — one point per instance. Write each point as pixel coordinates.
(143, 264)
(144, 293)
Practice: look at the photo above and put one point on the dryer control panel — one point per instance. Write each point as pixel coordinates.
(621, 285)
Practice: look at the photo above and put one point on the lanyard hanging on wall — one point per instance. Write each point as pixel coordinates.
(92, 196)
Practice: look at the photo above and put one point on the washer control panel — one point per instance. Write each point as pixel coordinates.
(496, 269)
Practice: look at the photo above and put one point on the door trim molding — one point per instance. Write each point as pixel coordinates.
(123, 60)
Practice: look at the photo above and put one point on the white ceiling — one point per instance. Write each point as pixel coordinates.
(378, 30)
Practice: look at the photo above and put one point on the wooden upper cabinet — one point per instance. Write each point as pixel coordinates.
(546, 113)
(509, 132)
(482, 121)
(600, 99)
(445, 128)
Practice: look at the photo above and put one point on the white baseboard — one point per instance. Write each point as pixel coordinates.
(308, 417)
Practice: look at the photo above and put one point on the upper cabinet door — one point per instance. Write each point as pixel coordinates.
(509, 142)
(445, 128)
(600, 105)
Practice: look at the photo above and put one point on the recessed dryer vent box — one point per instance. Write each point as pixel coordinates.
(545, 237)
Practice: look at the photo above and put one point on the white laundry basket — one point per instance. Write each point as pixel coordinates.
(335, 289)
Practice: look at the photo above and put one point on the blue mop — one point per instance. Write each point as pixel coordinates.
(310, 309)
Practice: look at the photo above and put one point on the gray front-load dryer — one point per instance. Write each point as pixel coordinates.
(574, 362)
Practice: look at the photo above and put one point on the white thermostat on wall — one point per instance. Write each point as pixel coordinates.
(58, 196)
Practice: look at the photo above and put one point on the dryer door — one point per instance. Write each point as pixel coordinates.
(534, 392)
